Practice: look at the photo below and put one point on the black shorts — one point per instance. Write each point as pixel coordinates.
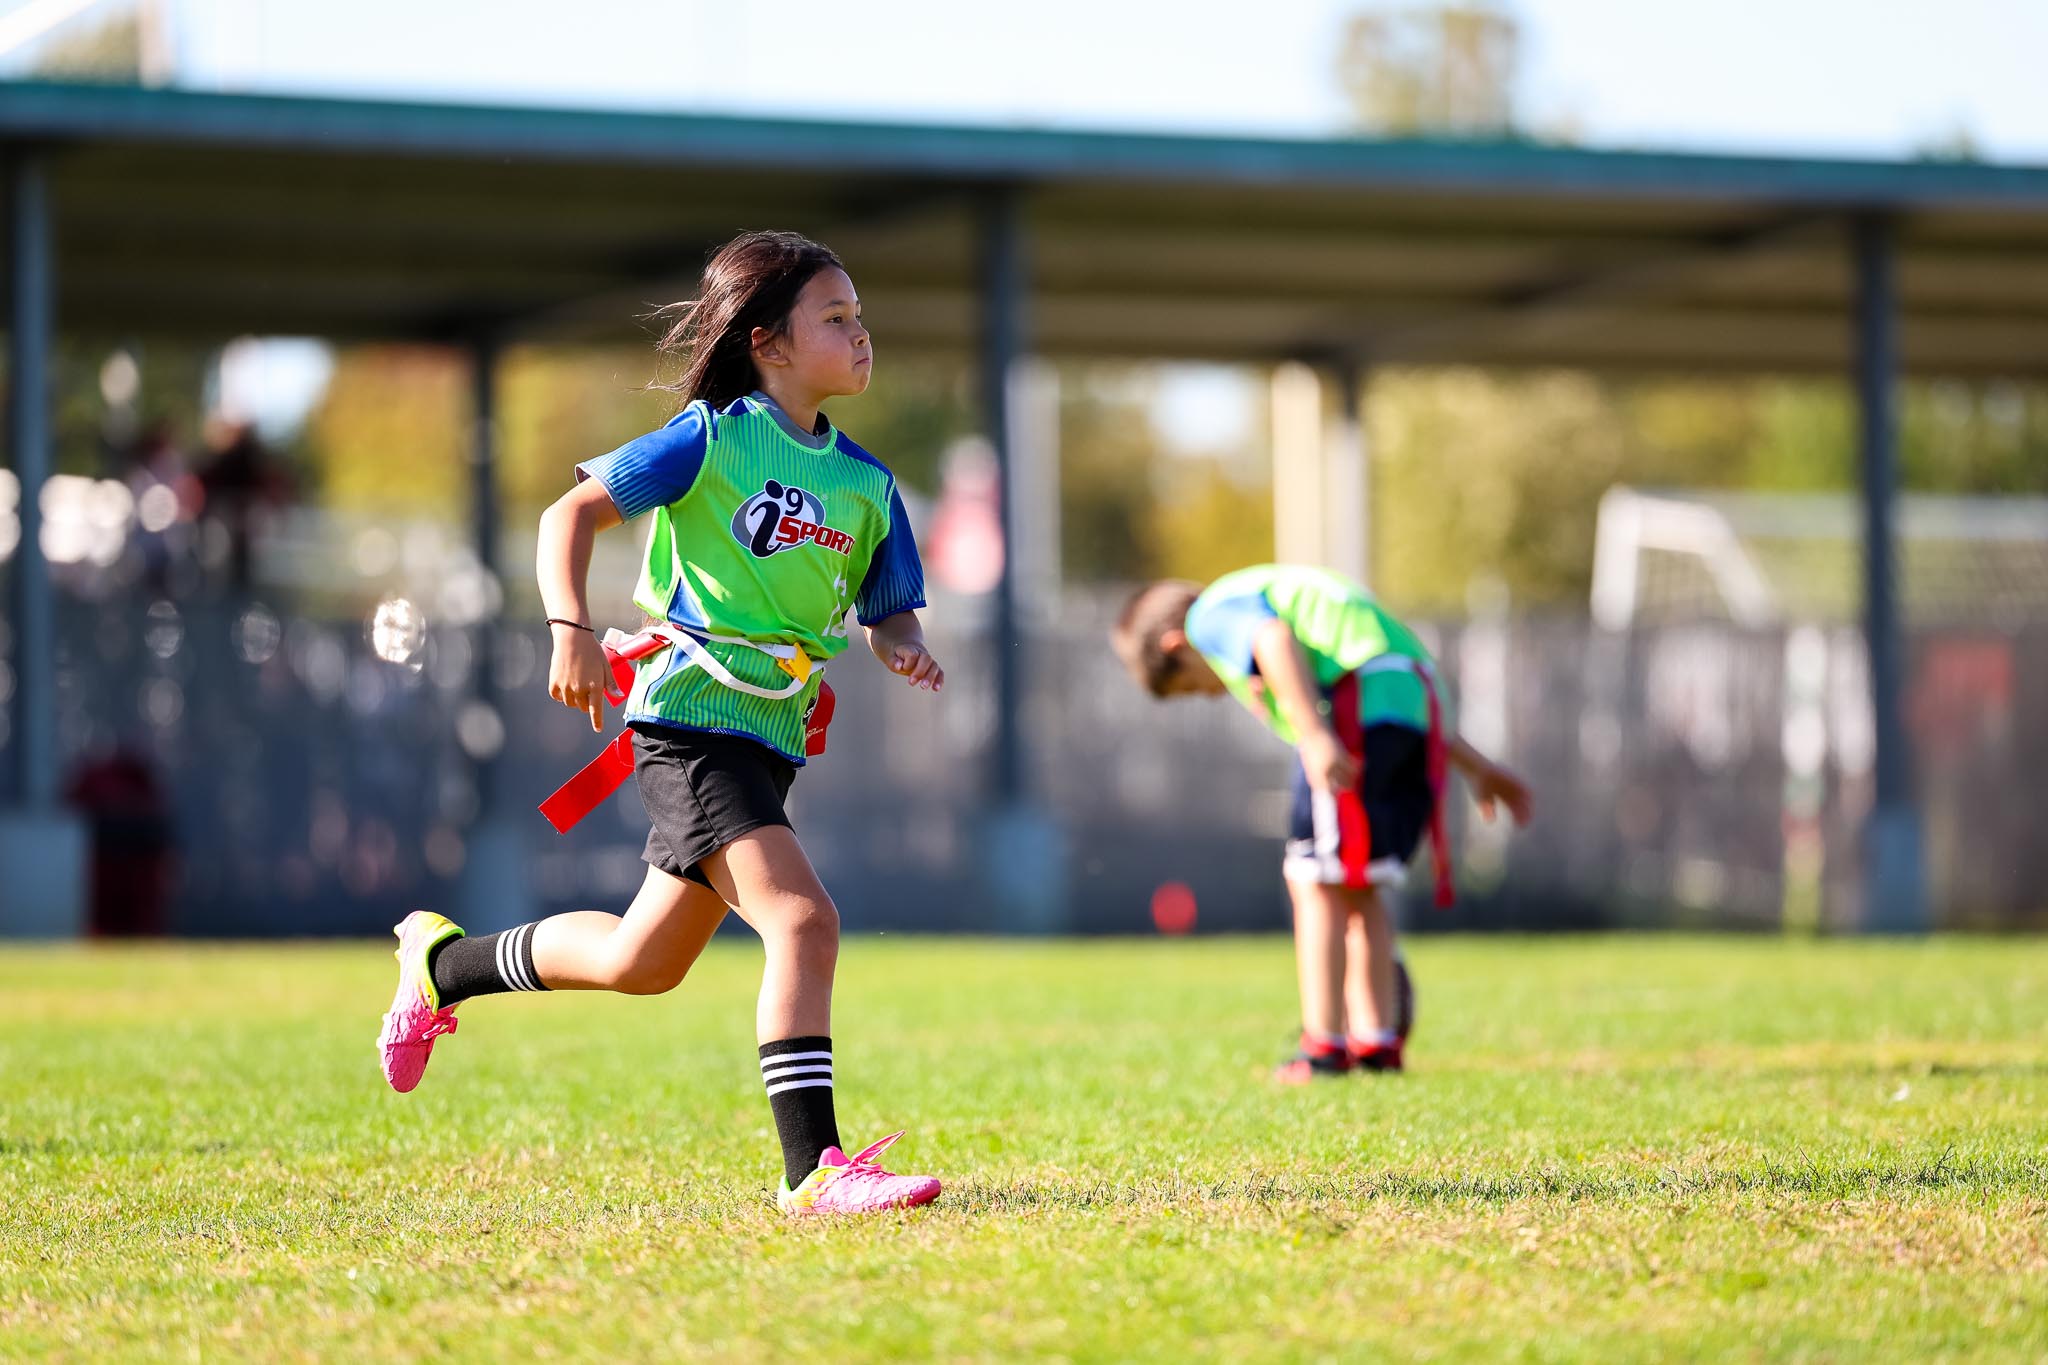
(1398, 803)
(702, 791)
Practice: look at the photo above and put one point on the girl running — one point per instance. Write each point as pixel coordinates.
(768, 525)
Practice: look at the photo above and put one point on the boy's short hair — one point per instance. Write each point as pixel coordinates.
(1152, 611)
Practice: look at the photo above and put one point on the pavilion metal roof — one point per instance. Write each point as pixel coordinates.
(214, 214)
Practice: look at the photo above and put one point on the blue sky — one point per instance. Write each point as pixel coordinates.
(1845, 77)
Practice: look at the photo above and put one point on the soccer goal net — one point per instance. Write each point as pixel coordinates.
(1763, 558)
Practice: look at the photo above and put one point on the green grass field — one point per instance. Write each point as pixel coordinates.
(1607, 1148)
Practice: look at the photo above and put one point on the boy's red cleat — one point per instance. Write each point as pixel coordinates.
(1371, 1056)
(1317, 1060)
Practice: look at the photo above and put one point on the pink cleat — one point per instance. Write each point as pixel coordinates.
(416, 1018)
(857, 1185)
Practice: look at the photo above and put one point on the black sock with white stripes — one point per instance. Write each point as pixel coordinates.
(798, 1074)
(462, 967)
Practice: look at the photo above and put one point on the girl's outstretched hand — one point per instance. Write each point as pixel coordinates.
(577, 675)
(913, 661)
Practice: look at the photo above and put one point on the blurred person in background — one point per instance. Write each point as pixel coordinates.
(1330, 671)
(240, 481)
(166, 494)
(768, 526)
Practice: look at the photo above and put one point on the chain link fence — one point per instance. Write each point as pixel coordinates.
(276, 775)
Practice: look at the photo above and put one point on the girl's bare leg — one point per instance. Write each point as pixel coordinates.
(646, 951)
(766, 876)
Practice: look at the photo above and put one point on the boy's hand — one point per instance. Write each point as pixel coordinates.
(1329, 765)
(578, 673)
(916, 663)
(1493, 786)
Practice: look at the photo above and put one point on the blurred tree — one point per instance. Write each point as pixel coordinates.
(1108, 450)
(393, 428)
(95, 421)
(1445, 70)
(1130, 507)
(1956, 142)
(1211, 520)
(1802, 437)
(1485, 477)
(1482, 477)
(1477, 475)
(109, 49)
(1985, 437)
(560, 405)
(117, 43)
(917, 406)
(392, 432)
(1989, 437)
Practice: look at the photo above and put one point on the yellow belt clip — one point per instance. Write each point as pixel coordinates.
(797, 665)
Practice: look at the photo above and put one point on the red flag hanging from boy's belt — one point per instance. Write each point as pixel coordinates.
(606, 773)
(1354, 828)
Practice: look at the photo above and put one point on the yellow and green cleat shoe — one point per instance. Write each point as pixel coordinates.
(417, 1017)
(855, 1184)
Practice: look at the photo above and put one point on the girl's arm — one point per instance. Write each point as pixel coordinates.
(1285, 668)
(577, 674)
(1491, 783)
(898, 641)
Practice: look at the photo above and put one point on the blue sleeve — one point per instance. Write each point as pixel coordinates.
(895, 580)
(1224, 628)
(655, 470)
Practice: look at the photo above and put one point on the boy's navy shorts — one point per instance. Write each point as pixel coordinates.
(702, 791)
(1398, 802)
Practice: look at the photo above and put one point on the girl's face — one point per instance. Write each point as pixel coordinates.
(824, 350)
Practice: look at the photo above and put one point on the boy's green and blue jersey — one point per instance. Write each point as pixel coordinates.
(1341, 628)
(762, 532)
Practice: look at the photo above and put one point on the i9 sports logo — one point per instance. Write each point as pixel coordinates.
(783, 517)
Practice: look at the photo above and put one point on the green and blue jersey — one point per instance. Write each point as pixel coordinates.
(1340, 626)
(763, 532)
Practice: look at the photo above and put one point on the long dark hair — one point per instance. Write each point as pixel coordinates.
(752, 281)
